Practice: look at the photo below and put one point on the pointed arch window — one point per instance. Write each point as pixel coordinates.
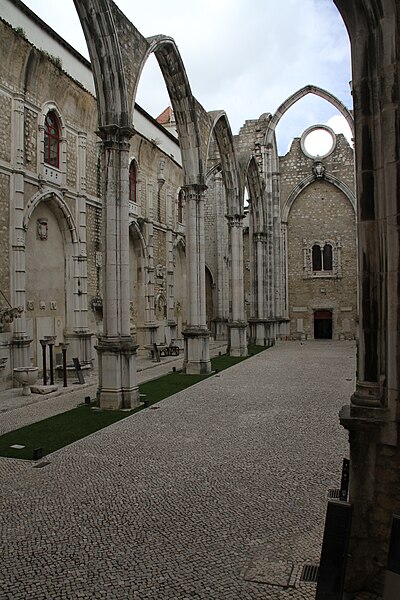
(133, 182)
(181, 197)
(52, 139)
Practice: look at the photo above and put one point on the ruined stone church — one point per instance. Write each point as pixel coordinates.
(120, 230)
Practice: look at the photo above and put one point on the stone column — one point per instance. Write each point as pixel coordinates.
(196, 334)
(237, 326)
(373, 415)
(258, 322)
(172, 325)
(221, 308)
(150, 325)
(20, 341)
(116, 350)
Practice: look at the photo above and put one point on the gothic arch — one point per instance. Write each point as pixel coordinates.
(256, 189)
(301, 186)
(135, 227)
(223, 135)
(64, 216)
(183, 103)
(109, 74)
(289, 102)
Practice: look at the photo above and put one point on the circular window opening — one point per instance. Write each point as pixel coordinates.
(318, 141)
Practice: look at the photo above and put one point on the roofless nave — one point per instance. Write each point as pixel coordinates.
(118, 52)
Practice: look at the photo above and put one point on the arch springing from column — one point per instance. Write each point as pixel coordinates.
(221, 130)
(183, 104)
(107, 64)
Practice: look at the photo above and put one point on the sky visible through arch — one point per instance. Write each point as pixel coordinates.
(242, 56)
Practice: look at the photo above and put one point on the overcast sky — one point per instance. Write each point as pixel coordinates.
(243, 56)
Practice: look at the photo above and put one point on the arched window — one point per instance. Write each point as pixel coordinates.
(327, 258)
(52, 137)
(316, 258)
(322, 258)
(181, 197)
(133, 182)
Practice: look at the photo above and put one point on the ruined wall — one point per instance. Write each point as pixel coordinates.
(321, 213)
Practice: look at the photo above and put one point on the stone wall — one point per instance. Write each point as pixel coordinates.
(5, 127)
(4, 235)
(321, 213)
(30, 139)
(71, 160)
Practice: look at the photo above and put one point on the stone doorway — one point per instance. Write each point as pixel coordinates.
(323, 324)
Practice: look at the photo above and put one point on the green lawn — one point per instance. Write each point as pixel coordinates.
(63, 429)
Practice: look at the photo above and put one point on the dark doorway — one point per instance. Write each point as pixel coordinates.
(323, 325)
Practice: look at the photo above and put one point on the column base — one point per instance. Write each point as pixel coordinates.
(80, 346)
(147, 335)
(366, 402)
(237, 344)
(220, 326)
(197, 351)
(20, 352)
(259, 332)
(374, 465)
(117, 374)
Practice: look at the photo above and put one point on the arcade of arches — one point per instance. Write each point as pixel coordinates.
(125, 237)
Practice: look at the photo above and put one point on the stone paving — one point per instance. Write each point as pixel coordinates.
(218, 493)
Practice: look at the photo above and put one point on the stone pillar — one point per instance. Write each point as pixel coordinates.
(237, 326)
(82, 329)
(20, 341)
(116, 350)
(150, 325)
(221, 308)
(196, 334)
(170, 281)
(258, 322)
(373, 415)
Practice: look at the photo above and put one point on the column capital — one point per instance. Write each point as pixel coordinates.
(194, 191)
(115, 136)
(235, 220)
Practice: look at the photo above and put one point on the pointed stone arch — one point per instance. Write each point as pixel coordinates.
(256, 187)
(63, 214)
(302, 185)
(183, 103)
(221, 130)
(98, 25)
(134, 225)
(289, 102)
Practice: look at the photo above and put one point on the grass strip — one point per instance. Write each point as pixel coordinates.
(54, 433)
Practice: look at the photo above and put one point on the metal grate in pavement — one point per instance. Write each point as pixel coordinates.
(310, 573)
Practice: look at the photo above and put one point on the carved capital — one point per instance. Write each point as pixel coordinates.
(115, 137)
(194, 192)
(235, 220)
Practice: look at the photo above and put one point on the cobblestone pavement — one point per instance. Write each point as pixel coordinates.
(17, 410)
(219, 493)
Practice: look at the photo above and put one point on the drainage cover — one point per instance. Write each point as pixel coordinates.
(41, 464)
(310, 573)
